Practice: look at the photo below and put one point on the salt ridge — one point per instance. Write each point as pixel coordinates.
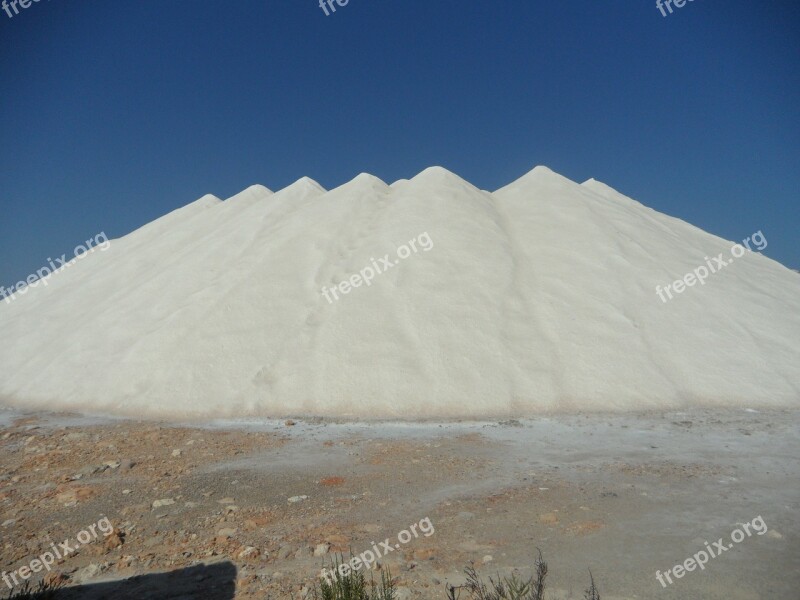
(537, 297)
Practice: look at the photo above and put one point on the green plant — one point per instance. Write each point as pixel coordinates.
(43, 591)
(354, 586)
(591, 592)
(511, 588)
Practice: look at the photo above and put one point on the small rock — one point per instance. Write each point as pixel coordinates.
(88, 572)
(249, 552)
(548, 518)
(226, 501)
(176, 453)
(424, 554)
(487, 559)
(285, 552)
(226, 532)
(295, 499)
(153, 541)
(163, 502)
(112, 464)
(55, 579)
(115, 540)
(9, 522)
(89, 470)
(332, 481)
(126, 492)
(322, 549)
(290, 423)
(774, 535)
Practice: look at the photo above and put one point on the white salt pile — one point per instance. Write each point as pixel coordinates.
(540, 296)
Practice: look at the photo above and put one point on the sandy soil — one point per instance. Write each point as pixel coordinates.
(205, 511)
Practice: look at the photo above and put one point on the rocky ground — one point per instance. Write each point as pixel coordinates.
(253, 509)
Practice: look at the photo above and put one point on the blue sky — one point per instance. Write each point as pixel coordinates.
(115, 113)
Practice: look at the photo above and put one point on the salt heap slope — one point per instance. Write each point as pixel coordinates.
(537, 297)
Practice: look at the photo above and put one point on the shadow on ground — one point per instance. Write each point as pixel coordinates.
(209, 582)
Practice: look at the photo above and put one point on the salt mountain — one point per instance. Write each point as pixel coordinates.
(537, 297)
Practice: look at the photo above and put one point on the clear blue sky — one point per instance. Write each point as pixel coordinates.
(115, 113)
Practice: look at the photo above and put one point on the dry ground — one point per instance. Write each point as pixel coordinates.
(622, 495)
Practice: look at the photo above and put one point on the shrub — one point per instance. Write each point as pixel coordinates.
(511, 588)
(43, 591)
(354, 586)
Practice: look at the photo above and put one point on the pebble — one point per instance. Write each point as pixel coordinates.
(548, 518)
(249, 552)
(114, 540)
(163, 502)
(294, 499)
(88, 572)
(154, 541)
